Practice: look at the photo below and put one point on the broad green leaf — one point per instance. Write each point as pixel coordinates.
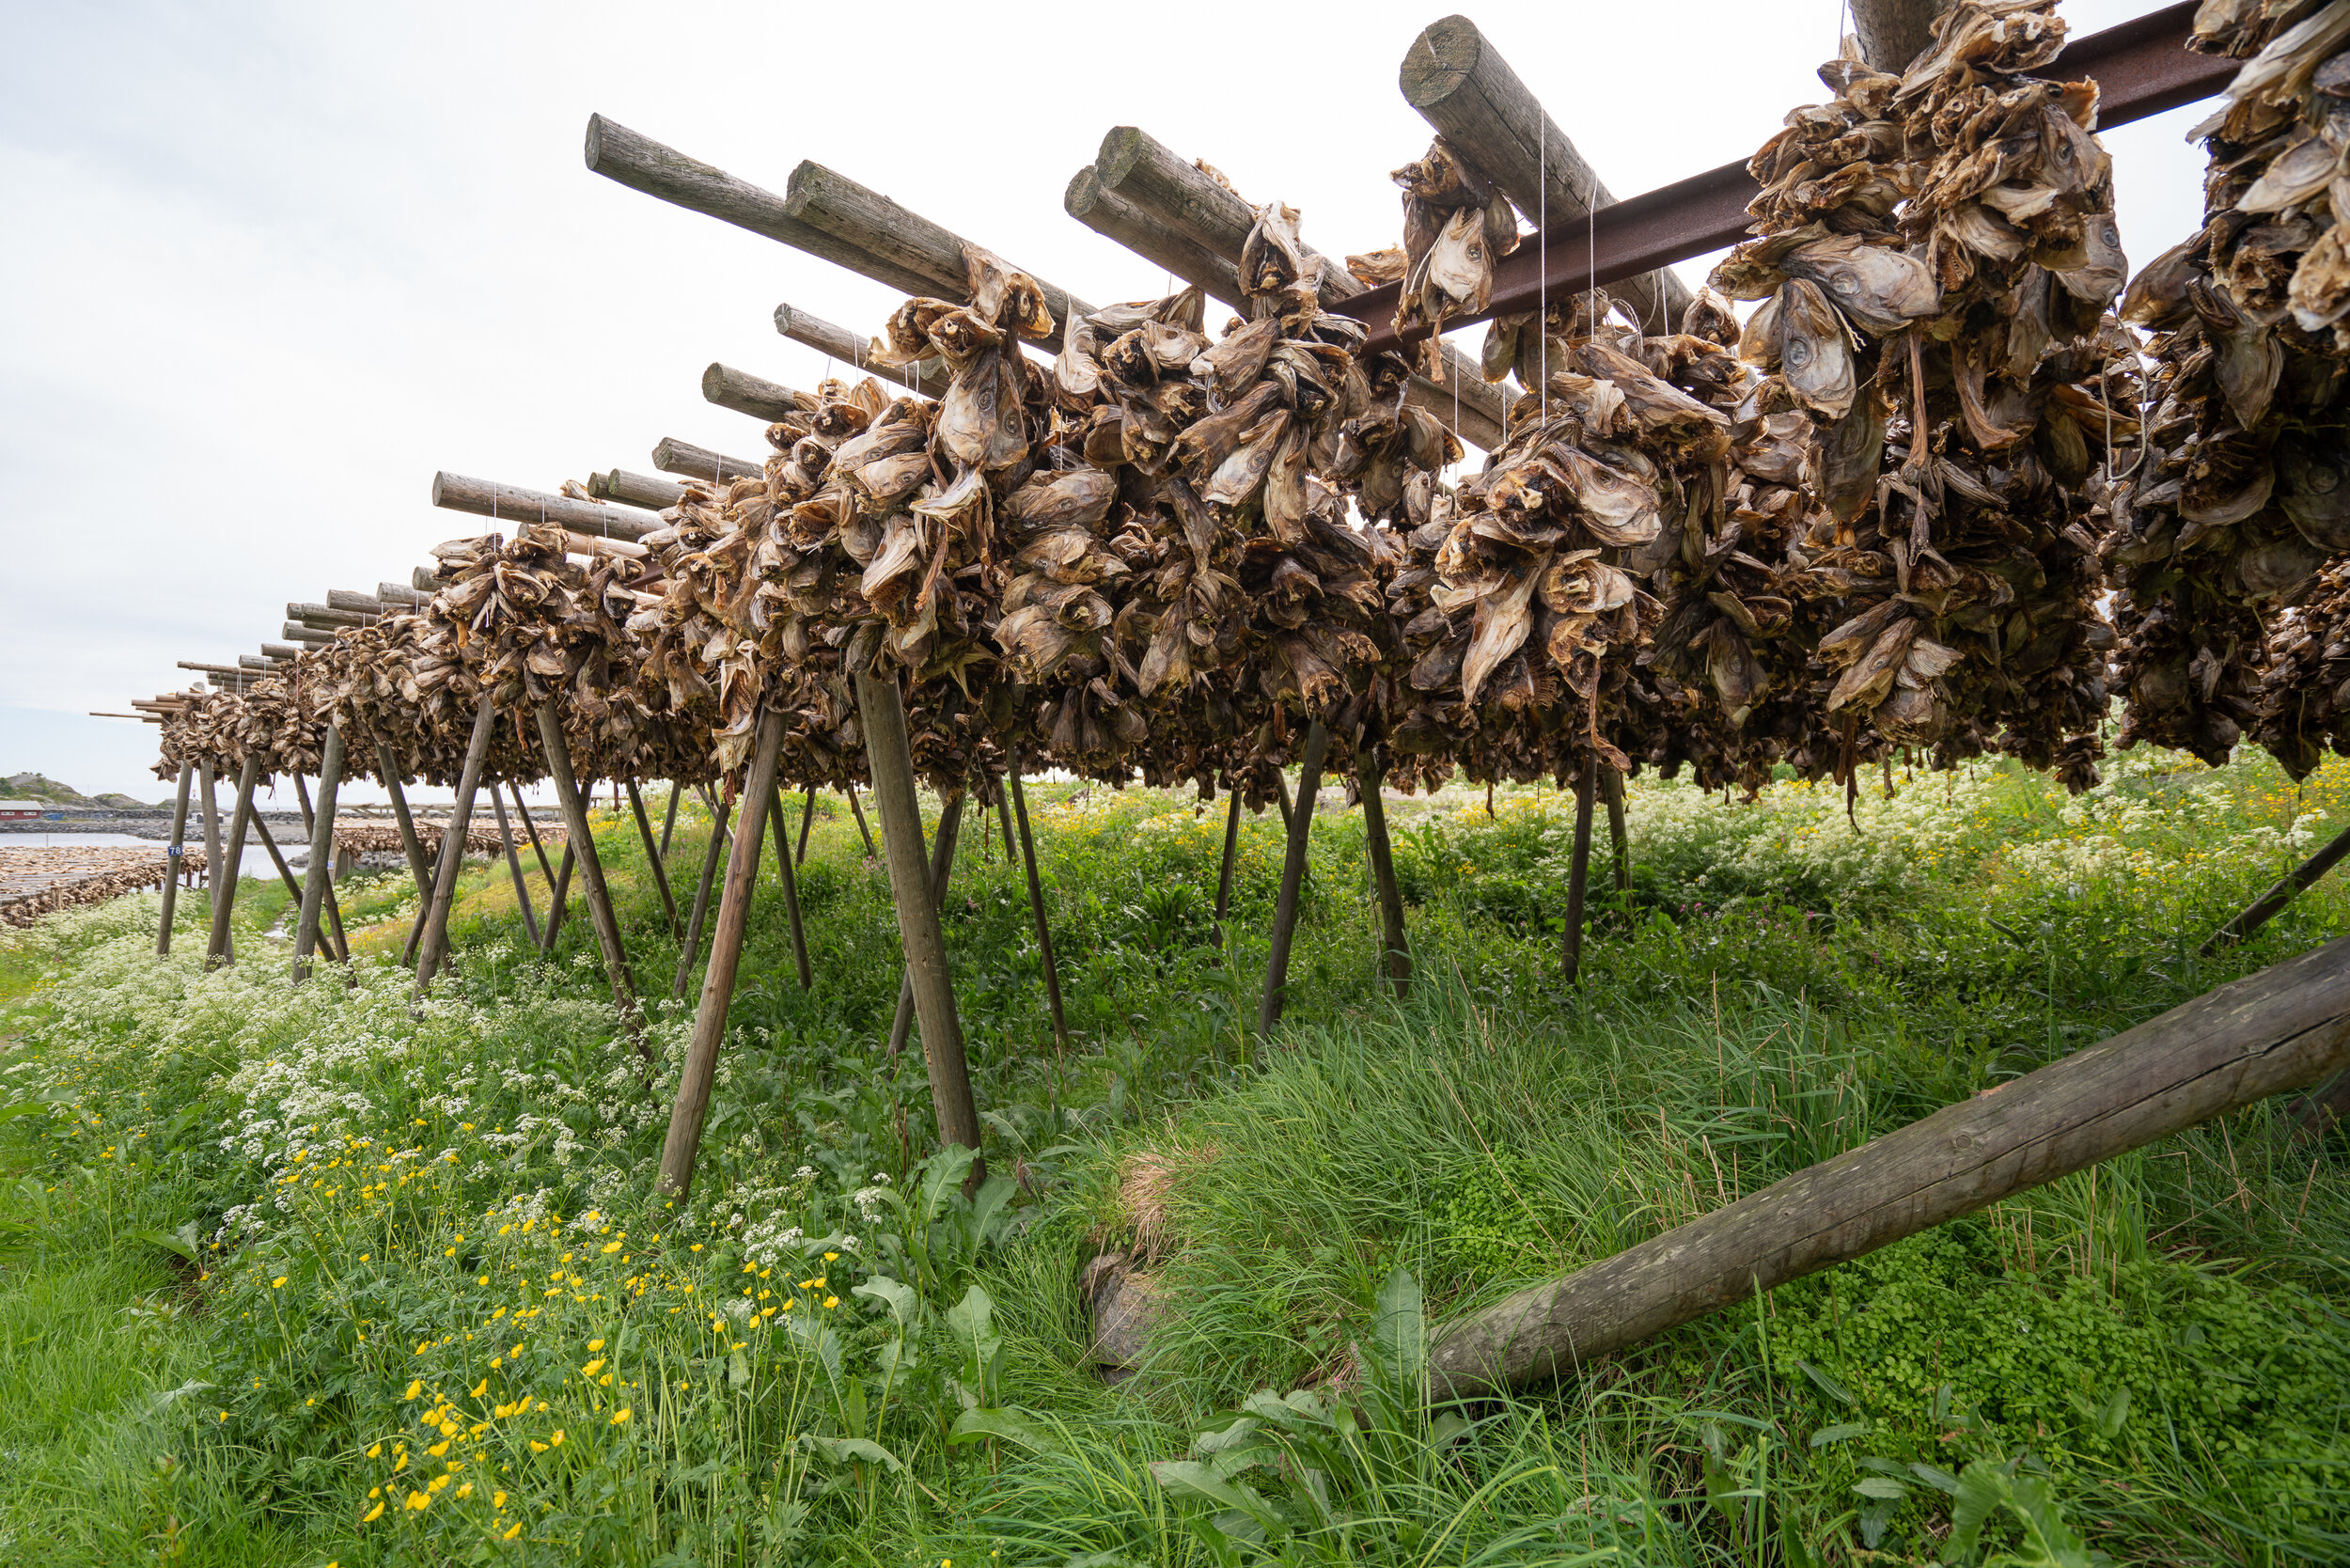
(1884, 1487)
(895, 1295)
(1827, 1385)
(1008, 1426)
(846, 1448)
(1827, 1435)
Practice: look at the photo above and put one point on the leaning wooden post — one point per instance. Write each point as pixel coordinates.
(2282, 1029)
(211, 836)
(942, 873)
(652, 858)
(890, 756)
(1036, 904)
(790, 883)
(668, 821)
(598, 896)
(1003, 814)
(2289, 888)
(1370, 776)
(1276, 970)
(514, 866)
(321, 870)
(1281, 797)
(701, 898)
(1578, 876)
(1224, 875)
(726, 953)
(857, 811)
(217, 950)
(294, 886)
(435, 938)
(178, 851)
(531, 829)
(1619, 841)
(388, 767)
(807, 820)
(559, 900)
(302, 793)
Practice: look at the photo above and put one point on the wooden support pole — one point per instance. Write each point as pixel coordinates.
(1277, 970)
(1578, 875)
(890, 759)
(719, 814)
(1224, 875)
(692, 1103)
(321, 870)
(1003, 815)
(2289, 888)
(1619, 840)
(598, 896)
(388, 767)
(513, 505)
(648, 490)
(514, 866)
(668, 821)
(652, 858)
(1369, 777)
(1460, 84)
(177, 852)
(436, 928)
(942, 873)
(211, 836)
(559, 904)
(2282, 1029)
(530, 829)
(1281, 798)
(857, 811)
(285, 874)
(1035, 904)
(807, 820)
(217, 950)
(782, 826)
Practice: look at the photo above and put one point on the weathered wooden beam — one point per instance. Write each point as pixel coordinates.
(213, 859)
(1185, 204)
(1619, 840)
(652, 858)
(1460, 84)
(1578, 875)
(514, 866)
(756, 396)
(598, 895)
(217, 950)
(309, 636)
(1224, 874)
(857, 811)
(1371, 777)
(514, 506)
(673, 456)
(173, 857)
(1115, 217)
(280, 651)
(433, 924)
(321, 870)
(897, 243)
(890, 759)
(1893, 32)
(2288, 887)
(637, 490)
(326, 616)
(2283, 1028)
(398, 596)
(1035, 904)
(790, 876)
(942, 873)
(718, 813)
(692, 1103)
(366, 604)
(293, 884)
(928, 376)
(1276, 970)
(388, 770)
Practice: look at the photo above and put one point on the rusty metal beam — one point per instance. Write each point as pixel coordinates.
(2142, 67)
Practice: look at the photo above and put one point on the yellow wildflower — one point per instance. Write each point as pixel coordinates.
(619, 1417)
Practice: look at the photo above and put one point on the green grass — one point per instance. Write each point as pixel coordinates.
(399, 1214)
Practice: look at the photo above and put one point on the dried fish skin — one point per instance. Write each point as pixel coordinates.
(1814, 351)
(1878, 288)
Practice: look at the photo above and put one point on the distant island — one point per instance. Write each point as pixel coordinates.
(41, 787)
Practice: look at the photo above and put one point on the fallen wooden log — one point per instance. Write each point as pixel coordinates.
(1460, 84)
(2283, 1028)
(753, 395)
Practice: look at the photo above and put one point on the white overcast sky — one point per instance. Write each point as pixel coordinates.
(271, 266)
